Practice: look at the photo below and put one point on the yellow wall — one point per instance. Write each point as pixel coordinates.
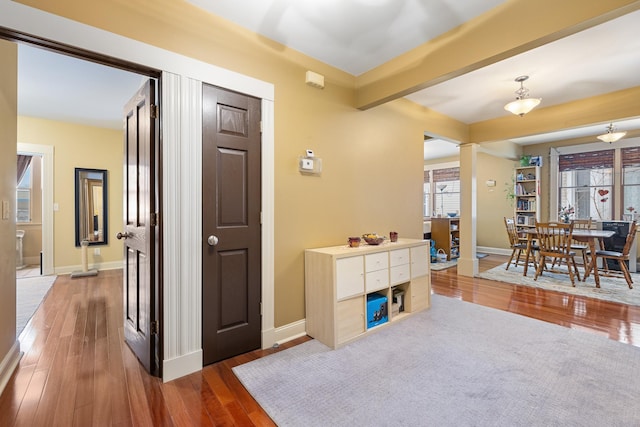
(8, 112)
(84, 147)
(372, 161)
(492, 202)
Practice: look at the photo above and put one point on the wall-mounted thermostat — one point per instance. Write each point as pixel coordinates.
(309, 164)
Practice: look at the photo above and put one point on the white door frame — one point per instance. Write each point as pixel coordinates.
(46, 151)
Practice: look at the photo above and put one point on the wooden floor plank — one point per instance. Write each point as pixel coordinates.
(31, 400)
(78, 371)
(14, 393)
(65, 409)
(53, 388)
(211, 402)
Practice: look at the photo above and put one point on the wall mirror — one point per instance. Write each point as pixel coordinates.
(91, 206)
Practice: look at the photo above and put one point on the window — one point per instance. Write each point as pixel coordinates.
(23, 193)
(426, 199)
(630, 180)
(586, 184)
(441, 191)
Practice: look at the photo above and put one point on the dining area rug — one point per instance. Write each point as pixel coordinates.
(611, 288)
(443, 265)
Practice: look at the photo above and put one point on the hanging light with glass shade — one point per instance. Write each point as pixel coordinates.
(523, 104)
(611, 135)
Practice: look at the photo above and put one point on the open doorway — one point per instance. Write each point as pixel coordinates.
(67, 107)
(71, 108)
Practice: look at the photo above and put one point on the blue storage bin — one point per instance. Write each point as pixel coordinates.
(377, 310)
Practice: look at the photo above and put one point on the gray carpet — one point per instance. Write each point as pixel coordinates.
(457, 364)
(30, 291)
(611, 288)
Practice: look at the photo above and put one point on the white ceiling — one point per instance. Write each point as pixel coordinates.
(59, 87)
(352, 35)
(357, 35)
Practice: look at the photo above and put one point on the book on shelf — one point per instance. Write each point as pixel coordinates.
(526, 205)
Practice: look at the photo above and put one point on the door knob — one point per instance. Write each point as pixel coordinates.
(212, 240)
(124, 235)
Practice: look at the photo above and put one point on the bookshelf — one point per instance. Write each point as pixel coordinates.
(527, 196)
(446, 233)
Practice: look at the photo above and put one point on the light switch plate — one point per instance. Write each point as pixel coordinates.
(6, 209)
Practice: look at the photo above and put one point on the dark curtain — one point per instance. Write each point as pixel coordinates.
(23, 163)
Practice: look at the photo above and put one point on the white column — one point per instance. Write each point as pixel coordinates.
(468, 262)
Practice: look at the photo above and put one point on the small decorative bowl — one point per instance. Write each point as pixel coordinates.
(373, 240)
(452, 214)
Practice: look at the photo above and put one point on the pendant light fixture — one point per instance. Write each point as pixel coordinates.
(611, 135)
(523, 104)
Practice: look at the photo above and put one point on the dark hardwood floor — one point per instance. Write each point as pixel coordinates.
(76, 370)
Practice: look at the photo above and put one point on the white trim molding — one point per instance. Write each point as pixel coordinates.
(68, 269)
(47, 152)
(289, 332)
(494, 251)
(181, 366)
(8, 364)
(268, 221)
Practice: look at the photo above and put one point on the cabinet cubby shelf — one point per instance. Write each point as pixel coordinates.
(338, 280)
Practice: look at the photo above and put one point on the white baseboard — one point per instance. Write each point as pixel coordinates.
(192, 362)
(495, 251)
(284, 333)
(181, 366)
(113, 265)
(9, 364)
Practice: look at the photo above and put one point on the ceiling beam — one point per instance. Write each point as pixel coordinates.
(614, 106)
(508, 30)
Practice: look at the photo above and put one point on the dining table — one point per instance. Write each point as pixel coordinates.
(592, 237)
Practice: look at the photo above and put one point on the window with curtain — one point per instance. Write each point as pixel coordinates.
(585, 183)
(630, 180)
(24, 189)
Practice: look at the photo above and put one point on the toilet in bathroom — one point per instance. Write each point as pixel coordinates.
(19, 259)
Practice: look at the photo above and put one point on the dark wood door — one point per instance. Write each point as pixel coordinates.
(231, 243)
(140, 227)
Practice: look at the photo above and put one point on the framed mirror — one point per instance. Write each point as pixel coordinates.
(91, 206)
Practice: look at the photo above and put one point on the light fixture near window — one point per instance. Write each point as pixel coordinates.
(523, 104)
(611, 135)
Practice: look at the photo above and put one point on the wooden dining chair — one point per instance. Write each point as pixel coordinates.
(621, 257)
(578, 246)
(518, 245)
(554, 239)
